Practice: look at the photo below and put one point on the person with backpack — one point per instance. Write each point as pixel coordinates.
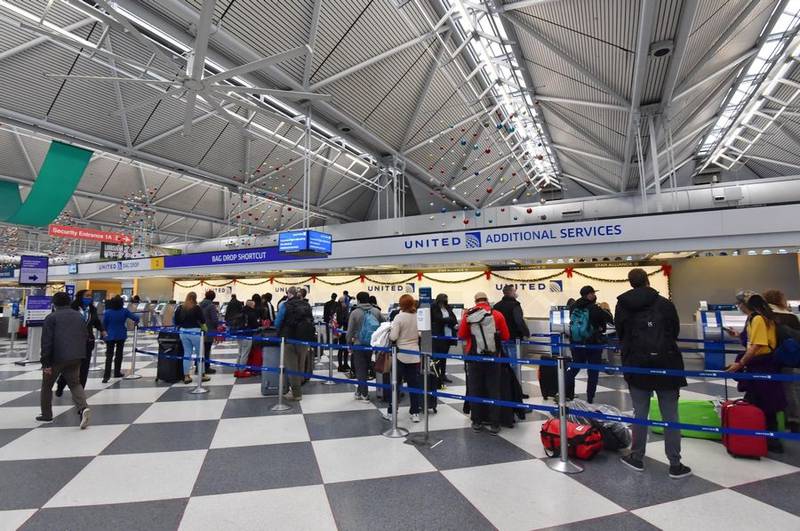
(211, 315)
(364, 320)
(647, 325)
(587, 326)
(784, 316)
(295, 321)
(483, 330)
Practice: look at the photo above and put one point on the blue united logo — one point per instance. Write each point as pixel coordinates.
(557, 286)
(473, 240)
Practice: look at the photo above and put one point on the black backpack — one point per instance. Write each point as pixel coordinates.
(299, 321)
(648, 344)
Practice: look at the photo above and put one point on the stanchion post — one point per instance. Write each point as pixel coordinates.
(132, 375)
(201, 363)
(562, 462)
(518, 356)
(280, 406)
(394, 432)
(330, 357)
(94, 366)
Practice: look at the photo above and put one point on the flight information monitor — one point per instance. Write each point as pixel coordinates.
(305, 243)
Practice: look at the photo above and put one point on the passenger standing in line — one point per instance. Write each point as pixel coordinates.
(83, 303)
(341, 317)
(484, 379)
(443, 324)
(648, 328)
(329, 311)
(190, 321)
(281, 301)
(346, 296)
(211, 315)
(295, 321)
(115, 320)
(269, 309)
(256, 298)
(249, 321)
(405, 334)
(361, 358)
(762, 339)
(784, 316)
(587, 327)
(233, 313)
(64, 338)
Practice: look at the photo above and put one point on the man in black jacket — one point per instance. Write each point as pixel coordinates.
(597, 319)
(648, 328)
(233, 313)
(64, 337)
(511, 309)
(295, 321)
(84, 304)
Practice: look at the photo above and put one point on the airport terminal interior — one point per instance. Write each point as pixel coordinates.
(399, 264)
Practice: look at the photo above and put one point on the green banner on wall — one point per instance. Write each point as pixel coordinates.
(58, 178)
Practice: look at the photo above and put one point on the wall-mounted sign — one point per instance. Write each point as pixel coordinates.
(304, 242)
(37, 307)
(72, 269)
(81, 233)
(33, 270)
(218, 258)
(7, 272)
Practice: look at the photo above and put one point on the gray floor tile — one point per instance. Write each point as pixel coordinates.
(463, 448)
(254, 407)
(21, 385)
(633, 490)
(619, 399)
(33, 399)
(152, 515)
(215, 392)
(164, 437)
(257, 468)
(711, 388)
(141, 382)
(615, 522)
(790, 455)
(6, 436)
(345, 424)
(27, 484)
(416, 501)
(612, 382)
(101, 414)
(779, 492)
(317, 387)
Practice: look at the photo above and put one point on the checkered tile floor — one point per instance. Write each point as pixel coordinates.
(157, 457)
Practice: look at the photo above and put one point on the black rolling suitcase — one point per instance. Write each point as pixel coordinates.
(548, 378)
(169, 370)
(434, 384)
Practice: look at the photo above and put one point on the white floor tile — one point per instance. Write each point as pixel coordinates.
(221, 379)
(292, 508)
(183, 410)
(140, 477)
(95, 384)
(526, 435)
(722, 509)
(330, 402)
(367, 458)
(446, 419)
(709, 460)
(456, 390)
(25, 417)
(8, 396)
(46, 443)
(12, 520)
(254, 431)
(27, 375)
(134, 395)
(547, 499)
(250, 390)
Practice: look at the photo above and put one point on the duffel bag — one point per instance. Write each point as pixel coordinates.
(583, 441)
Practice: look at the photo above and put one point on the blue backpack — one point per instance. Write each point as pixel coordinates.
(580, 329)
(368, 327)
(788, 351)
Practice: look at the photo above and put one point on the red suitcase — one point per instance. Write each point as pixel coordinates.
(743, 415)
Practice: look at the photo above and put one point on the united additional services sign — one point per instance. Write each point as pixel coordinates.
(81, 233)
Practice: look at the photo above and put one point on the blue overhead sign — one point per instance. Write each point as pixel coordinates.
(217, 258)
(7, 272)
(305, 241)
(33, 270)
(320, 242)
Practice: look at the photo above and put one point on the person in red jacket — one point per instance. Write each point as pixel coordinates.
(484, 379)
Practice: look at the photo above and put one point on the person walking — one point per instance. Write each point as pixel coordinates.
(364, 320)
(783, 315)
(83, 303)
(213, 322)
(648, 327)
(443, 324)
(587, 326)
(483, 330)
(405, 334)
(64, 338)
(115, 320)
(190, 321)
(295, 321)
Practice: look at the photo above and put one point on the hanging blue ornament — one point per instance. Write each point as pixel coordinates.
(476, 146)
(477, 213)
(499, 126)
(477, 173)
(444, 210)
(463, 142)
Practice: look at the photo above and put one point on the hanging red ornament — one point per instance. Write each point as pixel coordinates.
(362, 278)
(529, 210)
(489, 190)
(466, 222)
(419, 276)
(488, 274)
(271, 280)
(667, 270)
(569, 271)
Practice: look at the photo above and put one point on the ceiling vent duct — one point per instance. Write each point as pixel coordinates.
(731, 193)
(711, 177)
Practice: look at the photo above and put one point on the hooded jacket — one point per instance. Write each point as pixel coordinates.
(628, 305)
(356, 320)
(598, 318)
(500, 326)
(512, 312)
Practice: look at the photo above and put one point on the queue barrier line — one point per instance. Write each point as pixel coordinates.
(497, 402)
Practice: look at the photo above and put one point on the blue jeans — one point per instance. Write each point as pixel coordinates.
(584, 355)
(191, 347)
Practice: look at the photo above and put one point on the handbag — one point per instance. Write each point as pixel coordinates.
(383, 362)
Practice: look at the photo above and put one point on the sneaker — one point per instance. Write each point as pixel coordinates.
(632, 462)
(59, 391)
(477, 426)
(386, 416)
(42, 418)
(290, 396)
(187, 379)
(415, 417)
(357, 396)
(206, 378)
(86, 415)
(493, 429)
(679, 471)
(105, 380)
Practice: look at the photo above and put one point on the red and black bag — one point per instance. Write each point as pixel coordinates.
(583, 441)
(745, 416)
